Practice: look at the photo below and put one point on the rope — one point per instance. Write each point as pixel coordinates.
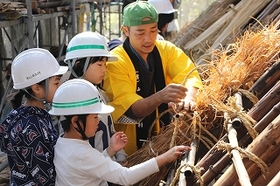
(195, 170)
(232, 110)
(221, 145)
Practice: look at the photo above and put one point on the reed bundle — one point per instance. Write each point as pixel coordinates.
(233, 69)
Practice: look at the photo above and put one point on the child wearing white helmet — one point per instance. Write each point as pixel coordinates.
(76, 162)
(27, 134)
(165, 14)
(86, 56)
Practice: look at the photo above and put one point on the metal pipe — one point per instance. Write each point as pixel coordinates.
(30, 23)
(73, 16)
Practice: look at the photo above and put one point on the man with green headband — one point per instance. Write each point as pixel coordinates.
(148, 77)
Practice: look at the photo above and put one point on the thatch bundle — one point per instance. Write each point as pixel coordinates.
(233, 69)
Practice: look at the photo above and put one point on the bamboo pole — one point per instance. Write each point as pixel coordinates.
(171, 174)
(182, 177)
(270, 9)
(272, 171)
(249, 9)
(215, 169)
(265, 146)
(191, 158)
(262, 124)
(216, 10)
(82, 10)
(212, 156)
(264, 105)
(266, 81)
(215, 27)
(188, 161)
(237, 122)
(237, 159)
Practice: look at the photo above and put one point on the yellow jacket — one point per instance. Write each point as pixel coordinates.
(120, 82)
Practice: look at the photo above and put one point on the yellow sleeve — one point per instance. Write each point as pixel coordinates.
(174, 62)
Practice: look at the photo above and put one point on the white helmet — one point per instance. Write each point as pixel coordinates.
(76, 97)
(162, 6)
(33, 66)
(88, 44)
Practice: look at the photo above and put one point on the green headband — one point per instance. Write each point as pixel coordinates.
(76, 103)
(81, 47)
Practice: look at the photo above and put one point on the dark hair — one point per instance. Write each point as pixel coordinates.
(80, 63)
(17, 99)
(79, 66)
(164, 19)
(126, 2)
(67, 122)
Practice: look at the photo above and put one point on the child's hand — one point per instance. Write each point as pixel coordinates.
(172, 154)
(118, 141)
(175, 152)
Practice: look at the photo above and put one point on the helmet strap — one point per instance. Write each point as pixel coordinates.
(46, 94)
(70, 66)
(24, 89)
(72, 63)
(86, 66)
(81, 131)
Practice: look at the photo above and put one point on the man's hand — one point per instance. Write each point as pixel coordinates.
(187, 104)
(172, 93)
